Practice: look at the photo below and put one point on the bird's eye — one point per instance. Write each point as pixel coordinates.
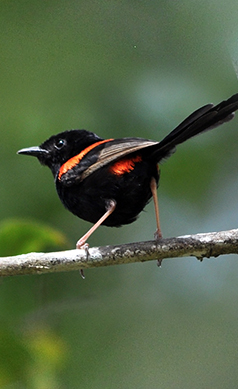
(60, 144)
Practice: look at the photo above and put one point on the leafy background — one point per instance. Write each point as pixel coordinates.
(118, 68)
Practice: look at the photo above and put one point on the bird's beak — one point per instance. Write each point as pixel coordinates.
(35, 151)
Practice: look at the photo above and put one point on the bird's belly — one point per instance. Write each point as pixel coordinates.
(89, 199)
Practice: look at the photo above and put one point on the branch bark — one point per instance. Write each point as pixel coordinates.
(207, 245)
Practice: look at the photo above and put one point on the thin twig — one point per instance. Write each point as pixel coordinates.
(208, 245)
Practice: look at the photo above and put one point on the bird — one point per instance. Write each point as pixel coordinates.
(110, 181)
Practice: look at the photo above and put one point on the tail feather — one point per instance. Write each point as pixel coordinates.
(203, 119)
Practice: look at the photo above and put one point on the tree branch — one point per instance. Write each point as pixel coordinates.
(208, 245)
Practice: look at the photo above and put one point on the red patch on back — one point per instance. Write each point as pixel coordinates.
(124, 165)
(72, 162)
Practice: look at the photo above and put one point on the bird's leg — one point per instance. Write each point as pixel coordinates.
(81, 244)
(109, 209)
(158, 233)
(153, 187)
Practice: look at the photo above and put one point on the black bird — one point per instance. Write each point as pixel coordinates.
(110, 181)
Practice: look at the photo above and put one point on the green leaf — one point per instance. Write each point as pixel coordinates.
(21, 236)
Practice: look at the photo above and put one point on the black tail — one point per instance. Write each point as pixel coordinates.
(203, 119)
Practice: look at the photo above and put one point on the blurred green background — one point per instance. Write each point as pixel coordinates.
(118, 68)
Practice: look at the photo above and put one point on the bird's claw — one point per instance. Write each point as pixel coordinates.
(81, 244)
